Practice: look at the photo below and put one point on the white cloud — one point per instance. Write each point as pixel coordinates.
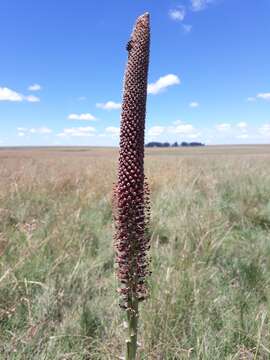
(198, 5)
(86, 117)
(44, 130)
(155, 131)
(32, 98)
(109, 105)
(22, 131)
(187, 28)
(195, 135)
(81, 98)
(242, 136)
(223, 127)
(178, 13)
(187, 130)
(83, 131)
(264, 130)
(162, 83)
(194, 104)
(7, 94)
(34, 87)
(112, 130)
(41, 130)
(264, 96)
(242, 125)
(182, 129)
(178, 122)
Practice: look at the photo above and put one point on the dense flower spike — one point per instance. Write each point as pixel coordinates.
(131, 192)
(131, 195)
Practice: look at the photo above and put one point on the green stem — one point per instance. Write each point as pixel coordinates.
(132, 318)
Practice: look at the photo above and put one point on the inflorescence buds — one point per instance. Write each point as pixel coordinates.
(131, 194)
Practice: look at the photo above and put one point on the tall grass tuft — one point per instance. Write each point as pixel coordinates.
(131, 192)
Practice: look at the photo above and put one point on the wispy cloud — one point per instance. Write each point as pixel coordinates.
(156, 131)
(223, 127)
(242, 136)
(260, 96)
(242, 125)
(264, 130)
(83, 131)
(199, 5)
(7, 94)
(112, 130)
(184, 129)
(187, 28)
(81, 98)
(34, 87)
(264, 96)
(41, 130)
(84, 117)
(180, 128)
(109, 105)
(162, 83)
(194, 104)
(22, 131)
(32, 98)
(178, 13)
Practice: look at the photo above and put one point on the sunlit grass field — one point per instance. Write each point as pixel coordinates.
(210, 237)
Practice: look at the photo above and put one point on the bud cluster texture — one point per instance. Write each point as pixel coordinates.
(131, 195)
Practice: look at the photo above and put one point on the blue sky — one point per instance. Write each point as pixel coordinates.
(62, 65)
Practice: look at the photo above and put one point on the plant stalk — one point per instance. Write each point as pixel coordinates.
(132, 319)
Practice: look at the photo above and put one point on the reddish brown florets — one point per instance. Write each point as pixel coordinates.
(131, 193)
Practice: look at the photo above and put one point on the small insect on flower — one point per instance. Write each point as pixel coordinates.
(129, 45)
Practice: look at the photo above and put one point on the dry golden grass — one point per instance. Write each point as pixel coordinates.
(210, 286)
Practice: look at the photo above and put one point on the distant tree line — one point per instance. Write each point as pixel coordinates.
(175, 144)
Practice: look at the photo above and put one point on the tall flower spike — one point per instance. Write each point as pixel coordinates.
(131, 195)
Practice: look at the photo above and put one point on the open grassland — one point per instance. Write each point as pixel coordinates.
(210, 230)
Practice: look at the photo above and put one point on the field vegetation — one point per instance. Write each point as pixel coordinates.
(210, 238)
